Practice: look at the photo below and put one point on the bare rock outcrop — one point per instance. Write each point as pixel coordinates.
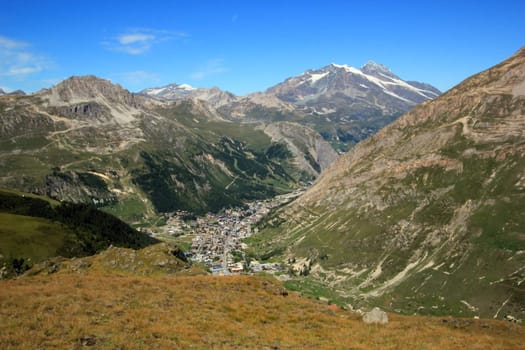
(375, 316)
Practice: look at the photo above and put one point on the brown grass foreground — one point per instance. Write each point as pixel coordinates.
(111, 311)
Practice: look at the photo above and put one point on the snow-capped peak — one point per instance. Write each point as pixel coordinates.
(340, 65)
(341, 79)
(186, 87)
(176, 87)
(169, 91)
(347, 68)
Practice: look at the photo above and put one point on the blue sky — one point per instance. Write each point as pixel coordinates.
(250, 45)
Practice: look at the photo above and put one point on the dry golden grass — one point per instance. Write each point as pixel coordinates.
(100, 310)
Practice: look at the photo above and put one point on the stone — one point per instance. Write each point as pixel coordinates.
(375, 316)
(89, 340)
(511, 318)
(53, 268)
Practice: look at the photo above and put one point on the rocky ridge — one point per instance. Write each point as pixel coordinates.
(157, 259)
(214, 96)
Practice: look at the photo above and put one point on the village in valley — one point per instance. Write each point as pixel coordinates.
(217, 238)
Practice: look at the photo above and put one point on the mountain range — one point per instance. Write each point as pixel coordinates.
(88, 140)
(425, 216)
(181, 148)
(344, 104)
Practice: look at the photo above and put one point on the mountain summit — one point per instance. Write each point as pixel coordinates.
(427, 215)
(377, 69)
(87, 88)
(178, 147)
(373, 85)
(346, 104)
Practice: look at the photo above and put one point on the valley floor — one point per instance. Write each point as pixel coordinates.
(113, 311)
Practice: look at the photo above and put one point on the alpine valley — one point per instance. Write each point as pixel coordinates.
(416, 205)
(180, 148)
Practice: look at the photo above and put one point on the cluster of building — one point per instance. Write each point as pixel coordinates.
(218, 238)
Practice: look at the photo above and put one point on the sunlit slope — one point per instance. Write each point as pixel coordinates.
(107, 311)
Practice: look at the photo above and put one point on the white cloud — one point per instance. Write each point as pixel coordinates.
(212, 67)
(134, 50)
(23, 70)
(17, 60)
(127, 39)
(141, 40)
(6, 43)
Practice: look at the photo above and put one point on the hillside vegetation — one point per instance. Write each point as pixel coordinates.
(118, 311)
(36, 228)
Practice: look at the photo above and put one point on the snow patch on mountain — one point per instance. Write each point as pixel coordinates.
(169, 92)
(186, 87)
(380, 76)
(155, 91)
(316, 77)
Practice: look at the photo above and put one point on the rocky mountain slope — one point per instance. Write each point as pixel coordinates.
(88, 140)
(347, 104)
(309, 150)
(426, 216)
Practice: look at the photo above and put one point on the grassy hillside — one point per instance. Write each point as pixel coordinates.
(115, 311)
(35, 228)
(31, 237)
